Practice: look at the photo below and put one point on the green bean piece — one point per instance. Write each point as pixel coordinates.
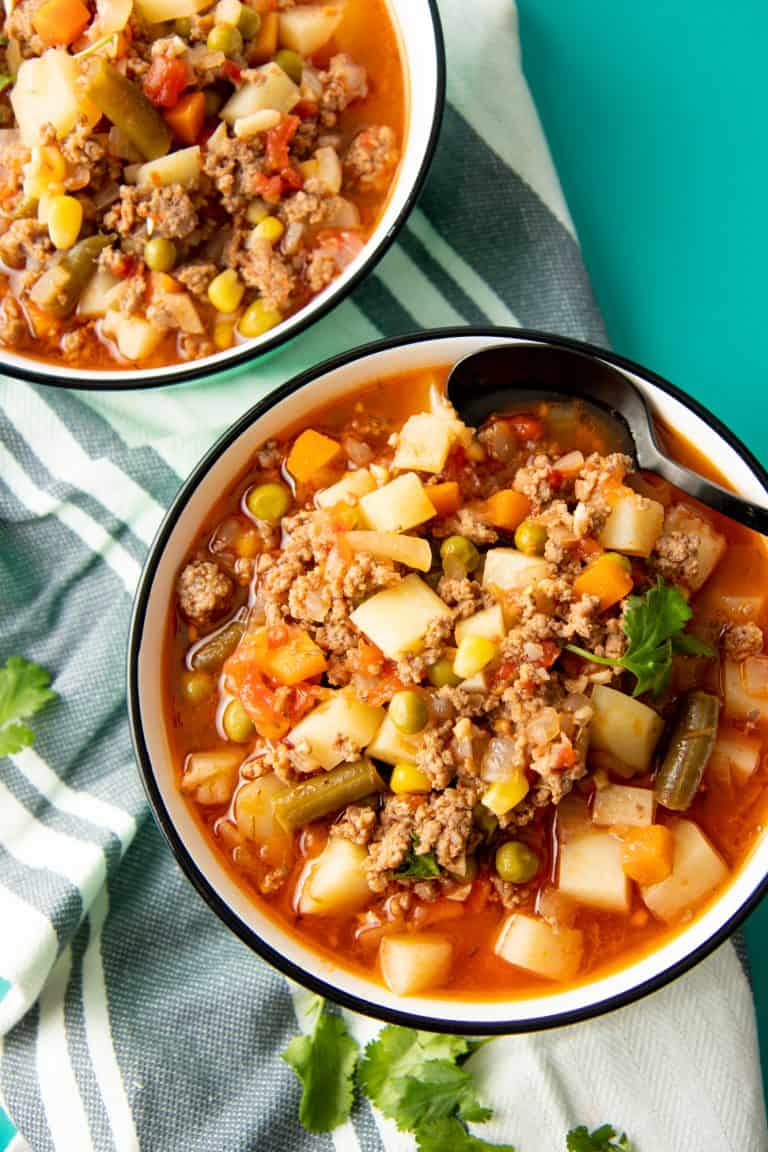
(330, 792)
(530, 538)
(128, 109)
(213, 100)
(460, 550)
(690, 747)
(408, 711)
(210, 656)
(484, 820)
(516, 862)
(59, 288)
(291, 63)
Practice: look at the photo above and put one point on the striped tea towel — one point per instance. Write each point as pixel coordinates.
(130, 1018)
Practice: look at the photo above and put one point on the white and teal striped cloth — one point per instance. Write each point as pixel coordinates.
(130, 1018)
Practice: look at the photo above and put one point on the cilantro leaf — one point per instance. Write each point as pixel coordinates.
(600, 1140)
(653, 624)
(23, 692)
(451, 1134)
(325, 1063)
(419, 866)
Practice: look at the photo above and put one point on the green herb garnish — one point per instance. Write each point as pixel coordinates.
(419, 866)
(325, 1063)
(601, 1140)
(23, 692)
(653, 624)
(451, 1134)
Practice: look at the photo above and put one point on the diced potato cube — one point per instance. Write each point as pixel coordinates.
(489, 623)
(424, 443)
(742, 609)
(46, 91)
(739, 703)
(181, 167)
(398, 618)
(210, 776)
(735, 757)
(634, 525)
(590, 872)
(533, 944)
(254, 808)
(711, 545)
(93, 302)
(135, 337)
(273, 88)
(697, 870)
(158, 11)
(342, 716)
(623, 729)
(308, 26)
(573, 818)
(512, 571)
(335, 884)
(398, 506)
(348, 490)
(619, 804)
(413, 962)
(390, 745)
(411, 550)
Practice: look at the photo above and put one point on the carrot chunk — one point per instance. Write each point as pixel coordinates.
(59, 22)
(186, 118)
(647, 854)
(506, 509)
(445, 497)
(310, 453)
(605, 578)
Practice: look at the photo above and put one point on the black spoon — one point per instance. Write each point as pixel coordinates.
(486, 382)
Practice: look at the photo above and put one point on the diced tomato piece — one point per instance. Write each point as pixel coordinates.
(555, 479)
(292, 179)
(270, 188)
(566, 758)
(166, 80)
(278, 139)
(506, 670)
(479, 896)
(260, 704)
(550, 653)
(305, 110)
(525, 426)
(232, 71)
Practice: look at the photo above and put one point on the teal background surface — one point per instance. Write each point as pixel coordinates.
(655, 114)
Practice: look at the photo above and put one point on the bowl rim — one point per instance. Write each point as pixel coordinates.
(162, 817)
(137, 379)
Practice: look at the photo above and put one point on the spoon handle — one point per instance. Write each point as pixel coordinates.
(752, 515)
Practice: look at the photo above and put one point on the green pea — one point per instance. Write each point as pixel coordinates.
(441, 674)
(291, 63)
(224, 38)
(622, 561)
(460, 549)
(269, 502)
(237, 723)
(530, 538)
(183, 27)
(408, 711)
(516, 862)
(249, 23)
(159, 254)
(196, 687)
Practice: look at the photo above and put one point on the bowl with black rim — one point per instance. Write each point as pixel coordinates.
(342, 377)
(422, 51)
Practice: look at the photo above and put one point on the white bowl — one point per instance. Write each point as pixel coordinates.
(420, 37)
(199, 860)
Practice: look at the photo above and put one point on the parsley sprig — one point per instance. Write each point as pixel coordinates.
(420, 1080)
(653, 624)
(23, 692)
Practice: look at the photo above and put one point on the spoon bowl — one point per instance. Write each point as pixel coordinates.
(484, 382)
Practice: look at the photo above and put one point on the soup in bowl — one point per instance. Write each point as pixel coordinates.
(464, 726)
(185, 182)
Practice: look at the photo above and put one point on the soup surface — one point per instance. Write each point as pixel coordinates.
(178, 176)
(477, 710)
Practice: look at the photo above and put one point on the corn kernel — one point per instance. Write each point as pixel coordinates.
(256, 211)
(270, 228)
(226, 291)
(472, 655)
(257, 319)
(409, 778)
(223, 335)
(52, 162)
(504, 795)
(65, 218)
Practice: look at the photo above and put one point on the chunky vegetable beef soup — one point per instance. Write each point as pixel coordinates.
(177, 176)
(479, 710)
